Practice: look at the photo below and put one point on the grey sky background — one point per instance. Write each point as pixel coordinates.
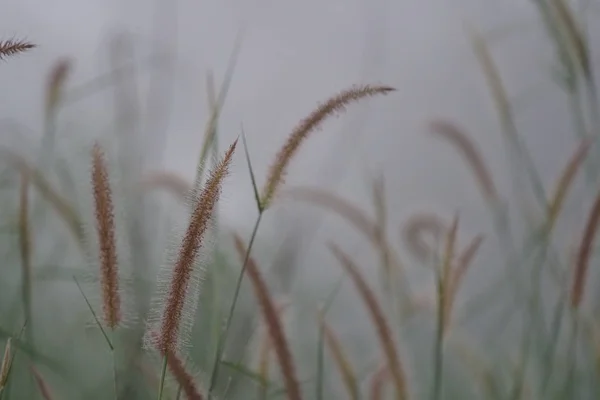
(296, 54)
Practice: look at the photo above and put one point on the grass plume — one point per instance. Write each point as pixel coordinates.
(458, 138)
(584, 253)
(188, 251)
(383, 330)
(334, 105)
(12, 47)
(105, 225)
(273, 323)
(341, 360)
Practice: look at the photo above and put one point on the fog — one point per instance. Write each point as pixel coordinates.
(294, 55)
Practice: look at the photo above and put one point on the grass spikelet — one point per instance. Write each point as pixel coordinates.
(413, 230)
(583, 255)
(12, 47)
(383, 330)
(564, 183)
(341, 360)
(378, 381)
(266, 344)
(184, 378)
(331, 107)
(169, 181)
(105, 226)
(457, 137)
(188, 252)
(274, 327)
(41, 384)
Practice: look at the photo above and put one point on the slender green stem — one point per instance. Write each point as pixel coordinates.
(114, 365)
(163, 373)
(439, 339)
(223, 338)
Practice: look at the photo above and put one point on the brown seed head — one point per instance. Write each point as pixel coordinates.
(333, 106)
(188, 251)
(105, 226)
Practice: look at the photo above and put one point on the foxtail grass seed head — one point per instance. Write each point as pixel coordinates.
(565, 181)
(105, 226)
(12, 47)
(331, 107)
(188, 252)
(274, 327)
(584, 253)
(341, 360)
(384, 333)
(458, 138)
(41, 384)
(183, 377)
(56, 81)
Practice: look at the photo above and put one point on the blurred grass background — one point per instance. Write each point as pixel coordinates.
(513, 334)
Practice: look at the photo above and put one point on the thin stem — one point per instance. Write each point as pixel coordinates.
(114, 362)
(163, 373)
(223, 338)
(439, 338)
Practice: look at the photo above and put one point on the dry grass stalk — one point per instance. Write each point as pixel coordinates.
(583, 255)
(6, 361)
(170, 181)
(41, 384)
(378, 381)
(383, 330)
(564, 182)
(105, 226)
(341, 360)
(188, 252)
(414, 229)
(12, 47)
(331, 107)
(457, 137)
(274, 327)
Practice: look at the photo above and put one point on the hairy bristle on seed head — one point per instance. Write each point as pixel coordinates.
(333, 106)
(13, 47)
(456, 136)
(273, 323)
(105, 226)
(188, 252)
(383, 330)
